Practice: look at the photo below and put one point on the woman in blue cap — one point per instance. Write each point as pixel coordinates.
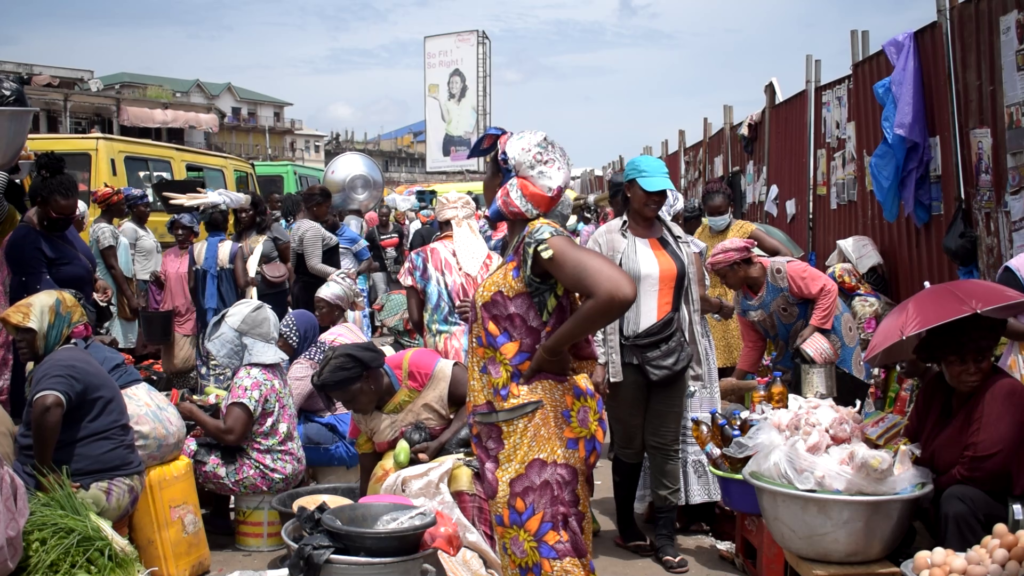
(144, 246)
(649, 359)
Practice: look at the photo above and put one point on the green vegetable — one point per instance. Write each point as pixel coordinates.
(402, 454)
(63, 537)
(211, 391)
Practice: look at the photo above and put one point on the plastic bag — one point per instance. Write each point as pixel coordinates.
(792, 455)
(444, 536)
(961, 240)
(402, 203)
(159, 429)
(402, 518)
(12, 94)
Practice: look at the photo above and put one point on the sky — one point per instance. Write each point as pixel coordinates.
(601, 77)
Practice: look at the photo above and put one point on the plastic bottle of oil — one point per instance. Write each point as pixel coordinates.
(736, 464)
(716, 458)
(735, 420)
(725, 432)
(778, 393)
(759, 396)
(701, 432)
(716, 427)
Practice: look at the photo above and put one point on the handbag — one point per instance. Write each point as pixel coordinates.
(961, 240)
(661, 349)
(274, 273)
(123, 312)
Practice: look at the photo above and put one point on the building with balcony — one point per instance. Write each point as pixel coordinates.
(208, 115)
(307, 147)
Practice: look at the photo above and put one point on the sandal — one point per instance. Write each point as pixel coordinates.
(672, 564)
(643, 549)
(596, 526)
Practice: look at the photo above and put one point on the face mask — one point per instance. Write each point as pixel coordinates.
(719, 223)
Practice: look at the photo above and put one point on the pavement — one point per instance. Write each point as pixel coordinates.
(609, 560)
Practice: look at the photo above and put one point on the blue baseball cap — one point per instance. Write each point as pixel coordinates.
(650, 173)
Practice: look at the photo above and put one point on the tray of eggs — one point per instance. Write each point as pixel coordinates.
(1001, 554)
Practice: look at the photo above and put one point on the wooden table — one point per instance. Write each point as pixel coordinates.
(812, 568)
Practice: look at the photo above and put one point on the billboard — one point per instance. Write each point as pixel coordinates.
(456, 88)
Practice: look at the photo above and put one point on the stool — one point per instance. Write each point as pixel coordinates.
(812, 568)
(760, 554)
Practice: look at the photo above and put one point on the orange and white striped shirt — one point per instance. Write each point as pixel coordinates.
(656, 266)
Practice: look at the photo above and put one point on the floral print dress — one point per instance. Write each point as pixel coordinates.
(271, 460)
(534, 467)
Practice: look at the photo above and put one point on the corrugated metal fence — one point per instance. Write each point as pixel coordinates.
(913, 254)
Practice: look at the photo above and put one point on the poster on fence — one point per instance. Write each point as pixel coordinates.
(1011, 52)
(851, 162)
(935, 175)
(840, 163)
(821, 174)
(1016, 205)
(981, 160)
(869, 183)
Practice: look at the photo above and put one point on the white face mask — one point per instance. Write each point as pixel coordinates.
(719, 223)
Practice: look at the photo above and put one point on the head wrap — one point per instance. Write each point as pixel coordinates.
(693, 211)
(425, 216)
(851, 283)
(53, 314)
(470, 248)
(340, 290)
(106, 197)
(371, 219)
(134, 197)
(344, 366)
(245, 334)
(189, 219)
(561, 213)
(535, 170)
(83, 209)
(729, 252)
(673, 205)
(300, 329)
(343, 333)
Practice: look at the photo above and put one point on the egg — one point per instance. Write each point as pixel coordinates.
(922, 563)
(1000, 557)
(977, 571)
(973, 558)
(985, 541)
(929, 573)
(1012, 568)
(995, 570)
(1008, 542)
(1020, 535)
(993, 545)
(958, 565)
(1017, 554)
(1000, 530)
(940, 571)
(939, 557)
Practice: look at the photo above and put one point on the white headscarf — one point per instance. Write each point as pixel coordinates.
(470, 248)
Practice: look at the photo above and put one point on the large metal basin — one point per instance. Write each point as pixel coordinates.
(14, 126)
(835, 528)
(423, 563)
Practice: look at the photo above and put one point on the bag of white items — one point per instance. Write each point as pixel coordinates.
(817, 445)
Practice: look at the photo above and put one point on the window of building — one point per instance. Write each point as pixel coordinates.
(236, 112)
(316, 147)
(277, 117)
(144, 172)
(211, 177)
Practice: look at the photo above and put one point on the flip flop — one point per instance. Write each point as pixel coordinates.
(643, 549)
(673, 564)
(596, 526)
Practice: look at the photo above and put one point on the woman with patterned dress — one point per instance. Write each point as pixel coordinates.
(254, 446)
(538, 424)
(446, 272)
(114, 265)
(721, 226)
(786, 301)
(389, 394)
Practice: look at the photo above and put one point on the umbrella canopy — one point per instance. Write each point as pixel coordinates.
(901, 330)
(782, 238)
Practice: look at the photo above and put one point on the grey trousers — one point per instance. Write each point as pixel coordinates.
(646, 418)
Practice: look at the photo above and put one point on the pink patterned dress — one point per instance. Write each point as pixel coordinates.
(271, 460)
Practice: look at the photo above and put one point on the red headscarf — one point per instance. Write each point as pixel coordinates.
(729, 252)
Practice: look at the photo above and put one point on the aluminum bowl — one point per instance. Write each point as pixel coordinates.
(14, 126)
(835, 528)
(356, 182)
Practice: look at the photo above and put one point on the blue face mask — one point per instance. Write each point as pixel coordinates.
(719, 223)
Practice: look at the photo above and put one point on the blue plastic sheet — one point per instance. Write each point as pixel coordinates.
(899, 166)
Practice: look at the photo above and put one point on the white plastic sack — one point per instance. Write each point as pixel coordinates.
(402, 203)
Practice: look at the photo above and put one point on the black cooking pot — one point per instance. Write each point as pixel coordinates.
(352, 527)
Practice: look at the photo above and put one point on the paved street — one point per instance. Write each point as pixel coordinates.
(610, 561)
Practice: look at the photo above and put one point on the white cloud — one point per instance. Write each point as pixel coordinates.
(341, 112)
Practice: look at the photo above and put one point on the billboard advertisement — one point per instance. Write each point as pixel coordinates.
(453, 90)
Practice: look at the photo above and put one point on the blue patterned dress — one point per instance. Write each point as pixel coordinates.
(781, 316)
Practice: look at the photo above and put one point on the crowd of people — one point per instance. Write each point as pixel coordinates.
(505, 322)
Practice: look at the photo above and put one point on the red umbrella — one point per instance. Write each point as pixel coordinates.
(900, 331)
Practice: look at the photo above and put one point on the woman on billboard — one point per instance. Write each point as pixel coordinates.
(459, 115)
